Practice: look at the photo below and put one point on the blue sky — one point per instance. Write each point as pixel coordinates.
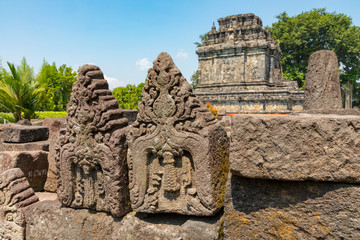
(124, 37)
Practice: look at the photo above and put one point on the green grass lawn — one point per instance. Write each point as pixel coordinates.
(40, 115)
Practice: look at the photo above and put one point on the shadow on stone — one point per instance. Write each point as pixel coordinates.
(176, 219)
(253, 195)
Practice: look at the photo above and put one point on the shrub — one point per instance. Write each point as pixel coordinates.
(212, 109)
(50, 114)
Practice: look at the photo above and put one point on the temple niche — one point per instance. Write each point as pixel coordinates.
(91, 155)
(239, 69)
(178, 154)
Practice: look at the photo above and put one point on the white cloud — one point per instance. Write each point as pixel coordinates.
(143, 64)
(114, 82)
(182, 54)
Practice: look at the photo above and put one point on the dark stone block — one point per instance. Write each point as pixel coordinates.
(130, 115)
(270, 209)
(24, 134)
(34, 165)
(54, 125)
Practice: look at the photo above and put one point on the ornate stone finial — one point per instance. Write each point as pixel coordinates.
(322, 83)
(178, 155)
(213, 28)
(15, 196)
(91, 156)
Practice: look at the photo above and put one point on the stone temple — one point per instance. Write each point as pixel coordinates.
(239, 69)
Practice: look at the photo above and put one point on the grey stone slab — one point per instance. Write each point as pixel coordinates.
(296, 148)
(51, 220)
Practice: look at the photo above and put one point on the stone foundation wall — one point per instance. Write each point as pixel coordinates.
(51, 220)
(293, 177)
(271, 209)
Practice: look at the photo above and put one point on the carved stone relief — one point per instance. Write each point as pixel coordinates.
(15, 196)
(178, 154)
(91, 156)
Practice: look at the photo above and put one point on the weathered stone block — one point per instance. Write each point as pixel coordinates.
(54, 125)
(50, 220)
(34, 165)
(130, 115)
(306, 147)
(15, 197)
(178, 154)
(91, 156)
(269, 209)
(30, 146)
(24, 134)
(322, 83)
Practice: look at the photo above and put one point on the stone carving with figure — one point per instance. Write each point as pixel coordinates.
(91, 156)
(178, 154)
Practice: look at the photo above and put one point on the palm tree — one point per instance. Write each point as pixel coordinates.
(19, 91)
(202, 37)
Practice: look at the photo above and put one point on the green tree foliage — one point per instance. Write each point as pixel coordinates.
(301, 35)
(19, 91)
(2, 75)
(194, 79)
(202, 38)
(58, 83)
(128, 97)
